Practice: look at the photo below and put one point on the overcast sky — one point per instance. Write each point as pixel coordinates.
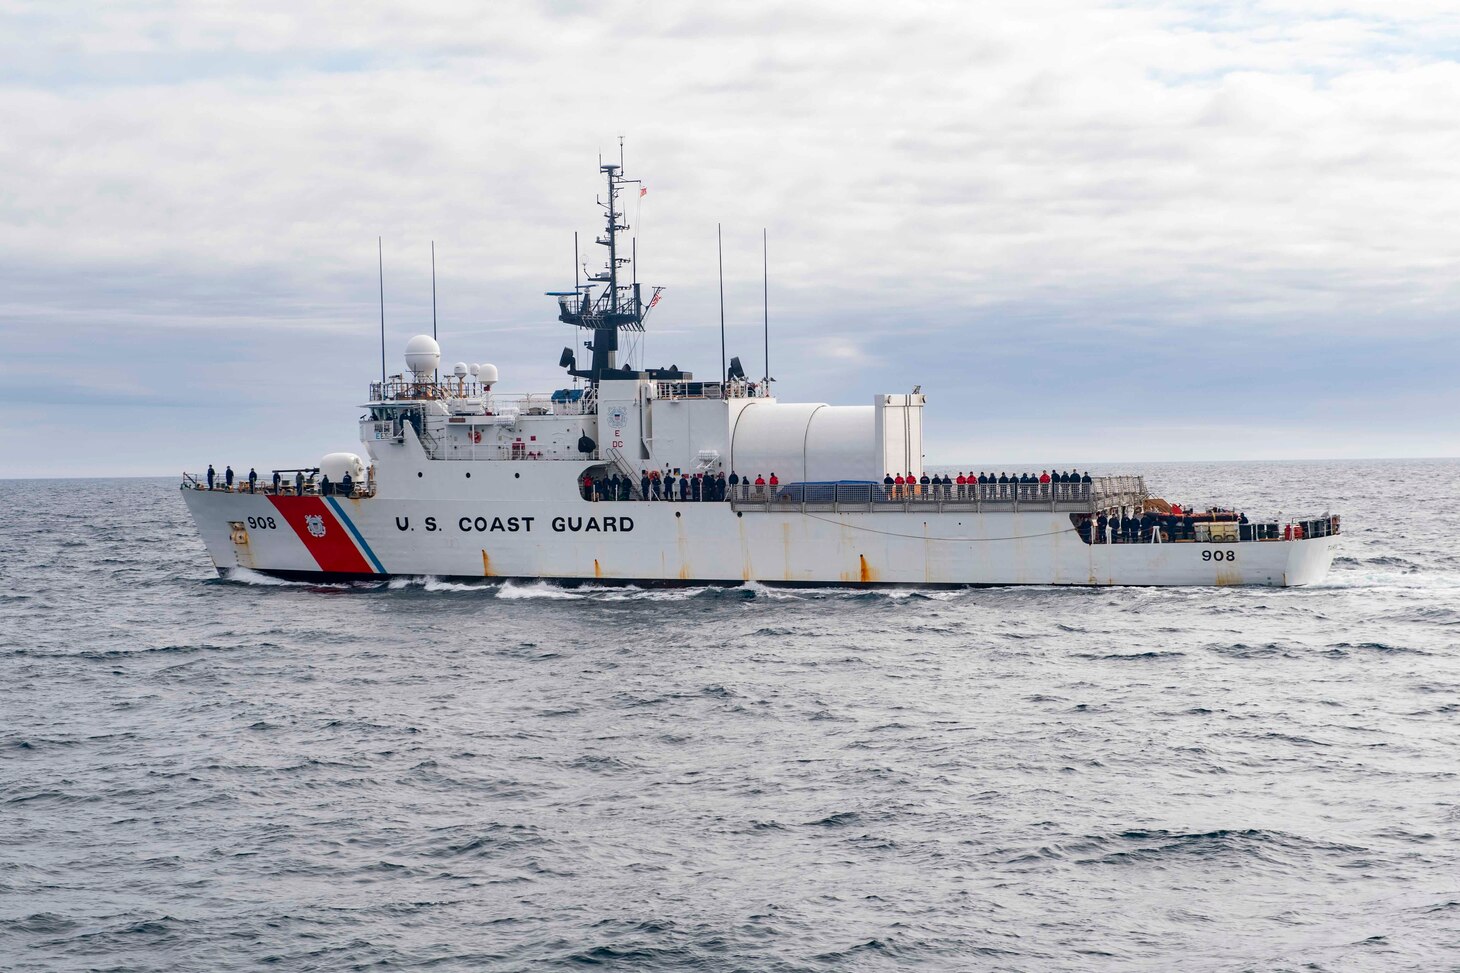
(1090, 232)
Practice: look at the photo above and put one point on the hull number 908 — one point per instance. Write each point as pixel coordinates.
(1219, 555)
(261, 523)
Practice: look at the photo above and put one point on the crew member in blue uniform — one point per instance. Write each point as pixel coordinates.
(347, 484)
(211, 474)
(253, 479)
(228, 477)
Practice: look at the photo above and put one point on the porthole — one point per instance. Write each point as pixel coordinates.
(740, 513)
(419, 473)
(676, 513)
(516, 476)
(468, 476)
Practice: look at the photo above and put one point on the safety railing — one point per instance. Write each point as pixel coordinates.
(480, 398)
(400, 390)
(736, 389)
(1221, 527)
(438, 443)
(287, 487)
(879, 496)
(509, 451)
(537, 404)
(1118, 485)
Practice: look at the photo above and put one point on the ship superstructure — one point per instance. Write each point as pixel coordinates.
(650, 476)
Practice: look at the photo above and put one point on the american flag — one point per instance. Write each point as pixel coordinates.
(654, 300)
(643, 191)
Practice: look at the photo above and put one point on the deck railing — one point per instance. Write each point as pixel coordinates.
(736, 389)
(471, 452)
(438, 446)
(398, 389)
(1101, 492)
(1221, 527)
(287, 487)
(878, 496)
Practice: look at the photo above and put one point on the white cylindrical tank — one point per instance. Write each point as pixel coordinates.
(335, 464)
(805, 442)
(423, 354)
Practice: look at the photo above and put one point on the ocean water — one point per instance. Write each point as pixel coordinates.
(200, 774)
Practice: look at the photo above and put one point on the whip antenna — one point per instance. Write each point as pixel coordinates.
(433, 300)
(720, 247)
(380, 256)
(765, 296)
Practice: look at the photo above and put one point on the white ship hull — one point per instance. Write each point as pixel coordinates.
(649, 543)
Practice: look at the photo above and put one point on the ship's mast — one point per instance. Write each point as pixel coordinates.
(617, 307)
(612, 238)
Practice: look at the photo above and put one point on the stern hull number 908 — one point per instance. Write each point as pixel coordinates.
(1219, 555)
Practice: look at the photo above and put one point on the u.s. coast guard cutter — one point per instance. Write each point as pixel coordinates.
(626, 477)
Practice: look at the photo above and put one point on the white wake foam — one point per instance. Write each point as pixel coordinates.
(512, 590)
(249, 576)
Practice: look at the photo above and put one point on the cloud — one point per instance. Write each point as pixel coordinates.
(947, 187)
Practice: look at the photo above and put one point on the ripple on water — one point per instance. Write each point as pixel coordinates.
(222, 773)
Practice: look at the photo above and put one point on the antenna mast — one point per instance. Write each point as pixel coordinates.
(616, 307)
(720, 250)
(437, 372)
(380, 256)
(765, 296)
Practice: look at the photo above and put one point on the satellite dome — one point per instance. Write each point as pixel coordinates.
(473, 368)
(459, 369)
(423, 354)
(487, 374)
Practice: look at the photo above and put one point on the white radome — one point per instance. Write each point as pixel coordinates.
(487, 374)
(459, 369)
(423, 354)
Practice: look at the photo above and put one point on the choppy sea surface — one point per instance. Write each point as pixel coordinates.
(199, 774)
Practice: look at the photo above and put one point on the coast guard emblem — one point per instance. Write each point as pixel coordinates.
(315, 523)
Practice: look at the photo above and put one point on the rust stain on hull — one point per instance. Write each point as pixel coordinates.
(597, 571)
(866, 574)
(242, 549)
(486, 565)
